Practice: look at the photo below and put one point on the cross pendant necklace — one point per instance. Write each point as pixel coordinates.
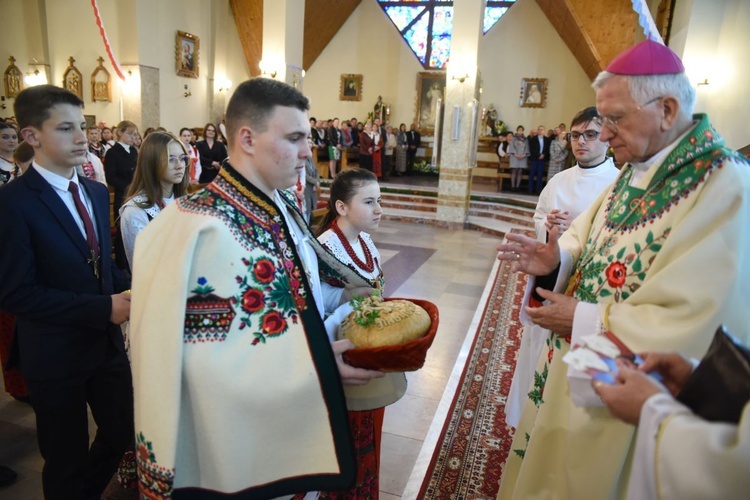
(94, 261)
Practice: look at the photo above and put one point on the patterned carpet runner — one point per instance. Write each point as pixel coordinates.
(474, 443)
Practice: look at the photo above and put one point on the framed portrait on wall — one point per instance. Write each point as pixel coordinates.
(187, 51)
(430, 88)
(533, 93)
(90, 120)
(351, 88)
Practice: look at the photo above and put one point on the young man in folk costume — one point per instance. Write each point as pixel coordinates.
(563, 199)
(238, 390)
(659, 259)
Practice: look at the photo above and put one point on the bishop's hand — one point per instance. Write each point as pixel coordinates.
(529, 255)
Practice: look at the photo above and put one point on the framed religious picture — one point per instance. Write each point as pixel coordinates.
(13, 79)
(187, 49)
(90, 120)
(430, 88)
(101, 83)
(533, 93)
(73, 79)
(351, 88)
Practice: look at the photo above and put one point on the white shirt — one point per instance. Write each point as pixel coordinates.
(133, 219)
(60, 185)
(326, 298)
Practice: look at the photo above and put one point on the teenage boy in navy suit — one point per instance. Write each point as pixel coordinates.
(57, 277)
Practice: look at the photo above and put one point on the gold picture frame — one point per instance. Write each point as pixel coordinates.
(350, 88)
(73, 79)
(430, 88)
(187, 51)
(101, 83)
(13, 79)
(533, 93)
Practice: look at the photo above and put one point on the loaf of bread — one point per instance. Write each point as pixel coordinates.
(378, 323)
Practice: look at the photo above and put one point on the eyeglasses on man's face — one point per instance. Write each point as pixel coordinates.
(611, 121)
(588, 135)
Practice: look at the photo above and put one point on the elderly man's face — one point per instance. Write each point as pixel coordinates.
(638, 125)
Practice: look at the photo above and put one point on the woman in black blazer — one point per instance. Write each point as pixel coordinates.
(211, 152)
(119, 167)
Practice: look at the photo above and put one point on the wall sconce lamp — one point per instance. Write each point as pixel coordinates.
(36, 77)
(225, 85)
(704, 82)
(187, 92)
(461, 78)
(2, 102)
(268, 68)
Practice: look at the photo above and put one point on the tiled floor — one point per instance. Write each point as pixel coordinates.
(447, 267)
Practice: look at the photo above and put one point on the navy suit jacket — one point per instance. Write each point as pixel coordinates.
(62, 310)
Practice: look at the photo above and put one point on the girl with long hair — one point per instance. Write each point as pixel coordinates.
(160, 177)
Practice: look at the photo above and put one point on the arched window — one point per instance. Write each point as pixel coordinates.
(426, 25)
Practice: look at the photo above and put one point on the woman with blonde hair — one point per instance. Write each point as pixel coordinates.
(119, 167)
(160, 176)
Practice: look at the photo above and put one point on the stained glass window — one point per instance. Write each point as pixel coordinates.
(426, 25)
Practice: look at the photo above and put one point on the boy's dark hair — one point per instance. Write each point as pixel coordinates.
(586, 115)
(344, 187)
(33, 104)
(255, 99)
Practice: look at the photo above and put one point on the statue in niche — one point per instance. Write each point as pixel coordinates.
(13, 79)
(101, 86)
(379, 110)
(72, 79)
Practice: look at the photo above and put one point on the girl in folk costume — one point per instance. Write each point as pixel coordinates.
(354, 210)
(8, 143)
(160, 177)
(194, 167)
(92, 169)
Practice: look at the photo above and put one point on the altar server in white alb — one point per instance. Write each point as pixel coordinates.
(564, 198)
(660, 259)
(238, 390)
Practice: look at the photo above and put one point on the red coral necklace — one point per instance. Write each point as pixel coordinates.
(369, 264)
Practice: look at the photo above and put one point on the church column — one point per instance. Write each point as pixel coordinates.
(283, 32)
(460, 105)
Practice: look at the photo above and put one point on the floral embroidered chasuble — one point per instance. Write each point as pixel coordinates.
(236, 386)
(666, 262)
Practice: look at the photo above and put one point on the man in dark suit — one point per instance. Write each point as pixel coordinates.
(413, 141)
(538, 159)
(57, 277)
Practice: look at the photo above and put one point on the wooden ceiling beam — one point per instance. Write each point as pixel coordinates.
(594, 31)
(323, 19)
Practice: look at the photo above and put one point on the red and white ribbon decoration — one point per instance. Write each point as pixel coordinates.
(107, 47)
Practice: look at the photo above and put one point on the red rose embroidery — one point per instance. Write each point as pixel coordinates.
(264, 270)
(142, 453)
(549, 355)
(253, 300)
(616, 274)
(273, 323)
